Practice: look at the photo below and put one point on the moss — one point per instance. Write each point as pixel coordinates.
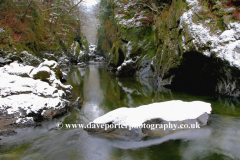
(77, 49)
(220, 24)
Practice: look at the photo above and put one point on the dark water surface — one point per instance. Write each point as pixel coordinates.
(103, 92)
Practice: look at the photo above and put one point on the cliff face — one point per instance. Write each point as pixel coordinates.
(190, 45)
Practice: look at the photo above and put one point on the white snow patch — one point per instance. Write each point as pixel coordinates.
(17, 69)
(2, 30)
(29, 103)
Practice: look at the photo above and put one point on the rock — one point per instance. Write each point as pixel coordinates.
(28, 59)
(53, 65)
(49, 56)
(131, 123)
(83, 56)
(27, 100)
(82, 65)
(64, 77)
(128, 67)
(16, 58)
(31, 105)
(99, 59)
(17, 69)
(92, 56)
(42, 73)
(4, 61)
(64, 62)
(47, 71)
(7, 133)
(78, 103)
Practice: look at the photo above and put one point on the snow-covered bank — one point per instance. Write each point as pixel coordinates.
(26, 98)
(176, 111)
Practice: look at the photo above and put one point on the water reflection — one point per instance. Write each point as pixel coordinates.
(103, 92)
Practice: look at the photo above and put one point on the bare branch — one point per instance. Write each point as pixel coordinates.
(75, 6)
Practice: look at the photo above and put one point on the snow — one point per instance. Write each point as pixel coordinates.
(227, 36)
(223, 44)
(40, 69)
(30, 103)
(135, 21)
(23, 95)
(169, 111)
(127, 62)
(24, 120)
(17, 69)
(51, 64)
(12, 84)
(192, 2)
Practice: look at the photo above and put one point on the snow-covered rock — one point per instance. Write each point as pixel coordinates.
(82, 64)
(99, 59)
(132, 119)
(64, 77)
(25, 57)
(21, 96)
(128, 67)
(17, 69)
(64, 62)
(42, 73)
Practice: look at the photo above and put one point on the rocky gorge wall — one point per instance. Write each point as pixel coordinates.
(191, 46)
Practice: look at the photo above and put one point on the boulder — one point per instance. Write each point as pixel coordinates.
(42, 73)
(99, 59)
(27, 59)
(82, 65)
(128, 67)
(138, 123)
(16, 58)
(64, 77)
(4, 61)
(18, 69)
(49, 56)
(64, 62)
(53, 65)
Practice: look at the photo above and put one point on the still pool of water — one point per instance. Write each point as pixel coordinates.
(103, 92)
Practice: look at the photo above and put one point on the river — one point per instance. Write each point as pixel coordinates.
(103, 92)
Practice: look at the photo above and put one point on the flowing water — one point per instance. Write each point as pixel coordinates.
(103, 92)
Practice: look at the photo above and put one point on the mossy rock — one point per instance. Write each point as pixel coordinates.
(42, 73)
(16, 58)
(53, 65)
